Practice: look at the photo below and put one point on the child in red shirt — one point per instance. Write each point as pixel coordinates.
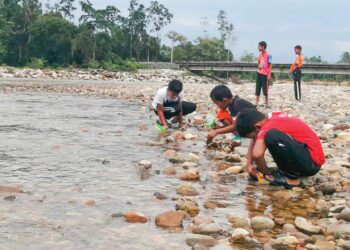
(294, 146)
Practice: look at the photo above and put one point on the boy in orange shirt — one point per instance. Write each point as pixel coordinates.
(295, 70)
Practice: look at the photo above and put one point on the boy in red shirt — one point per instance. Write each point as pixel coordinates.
(295, 70)
(294, 146)
(264, 73)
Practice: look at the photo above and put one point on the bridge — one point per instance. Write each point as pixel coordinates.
(333, 69)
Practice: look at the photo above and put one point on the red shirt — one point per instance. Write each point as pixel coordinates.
(297, 129)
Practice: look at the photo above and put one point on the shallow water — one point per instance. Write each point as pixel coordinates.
(65, 150)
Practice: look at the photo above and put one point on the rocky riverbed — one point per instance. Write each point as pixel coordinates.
(175, 193)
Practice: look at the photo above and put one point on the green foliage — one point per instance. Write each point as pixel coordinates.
(315, 59)
(345, 58)
(37, 63)
(247, 57)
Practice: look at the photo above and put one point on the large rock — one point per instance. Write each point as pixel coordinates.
(212, 228)
(188, 206)
(342, 231)
(186, 190)
(327, 188)
(261, 223)
(135, 217)
(170, 219)
(344, 215)
(285, 242)
(198, 239)
(305, 226)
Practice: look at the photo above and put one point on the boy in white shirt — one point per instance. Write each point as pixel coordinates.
(169, 102)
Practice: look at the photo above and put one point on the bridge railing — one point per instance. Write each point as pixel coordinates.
(336, 69)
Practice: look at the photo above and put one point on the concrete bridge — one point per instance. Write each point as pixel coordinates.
(334, 69)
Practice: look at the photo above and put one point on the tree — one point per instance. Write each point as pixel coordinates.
(315, 59)
(175, 37)
(157, 18)
(56, 32)
(63, 7)
(248, 57)
(102, 20)
(345, 58)
(226, 32)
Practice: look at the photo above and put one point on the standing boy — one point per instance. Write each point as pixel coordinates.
(295, 69)
(264, 73)
(169, 102)
(221, 95)
(293, 145)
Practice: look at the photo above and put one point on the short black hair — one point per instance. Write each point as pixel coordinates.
(246, 121)
(175, 86)
(263, 44)
(220, 92)
(298, 47)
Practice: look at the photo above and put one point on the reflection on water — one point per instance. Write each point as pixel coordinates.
(66, 150)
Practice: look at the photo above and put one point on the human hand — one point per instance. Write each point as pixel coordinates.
(211, 135)
(251, 169)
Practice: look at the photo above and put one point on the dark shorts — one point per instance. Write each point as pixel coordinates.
(261, 83)
(174, 109)
(297, 75)
(291, 157)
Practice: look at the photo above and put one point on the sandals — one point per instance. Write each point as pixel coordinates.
(281, 180)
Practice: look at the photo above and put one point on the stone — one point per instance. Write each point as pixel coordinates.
(327, 188)
(342, 231)
(194, 157)
(202, 219)
(189, 136)
(280, 221)
(198, 239)
(17, 189)
(170, 153)
(170, 139)
(170, 219)
(186, 190)
(344, 215)
(176, 159)
(284, 242)
(234, 170)
(189, 175)
(208, 229)
(305, 226)
(135, 217)
(188, 164)
(160, 196)
(311, 247)
(90, 203)
(322, 206)
(10, 198)
(289, 228)
(262, 223)
(344, 244)
(188, 206)
(178, 135)
(169, 171)
(233, 158)
(238, 222)
(239, 234)
(145, 163)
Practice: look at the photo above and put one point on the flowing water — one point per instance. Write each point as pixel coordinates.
(68, 152)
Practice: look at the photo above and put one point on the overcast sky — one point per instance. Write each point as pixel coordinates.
(322, 27)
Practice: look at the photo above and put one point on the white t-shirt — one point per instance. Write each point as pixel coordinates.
(162, 98)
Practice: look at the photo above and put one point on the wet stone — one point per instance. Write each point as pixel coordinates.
(170, 219)
(145, 163)
(284, 242)
(188, 206)
(305, 226)
(10, 198)
(261, 223)
(135, 217)
(160, 196)
(186, 190)
(327, 188)
(208, 229)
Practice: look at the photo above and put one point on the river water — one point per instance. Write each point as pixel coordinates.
(76, 159)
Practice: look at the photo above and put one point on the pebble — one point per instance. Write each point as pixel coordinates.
(344, 215)
(234, 170)
(17, 189)
(191, 207)
(189, 175)
(262, 223)
(239, 234)
(342, 231)
(170, 153)
(170, 219)
(305, 226)
(160, 196)
(169, 171)
(208, 229)
(135, 217)
(284, 242)
(186, 190)
(327, 188)
(202, 219)
(10, 198)
(145, 163)
(238, 222)
(198, 239)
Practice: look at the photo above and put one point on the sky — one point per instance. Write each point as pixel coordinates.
(321, 27)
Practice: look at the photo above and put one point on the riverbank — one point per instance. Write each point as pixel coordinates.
(221, 207)
(152, 74)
